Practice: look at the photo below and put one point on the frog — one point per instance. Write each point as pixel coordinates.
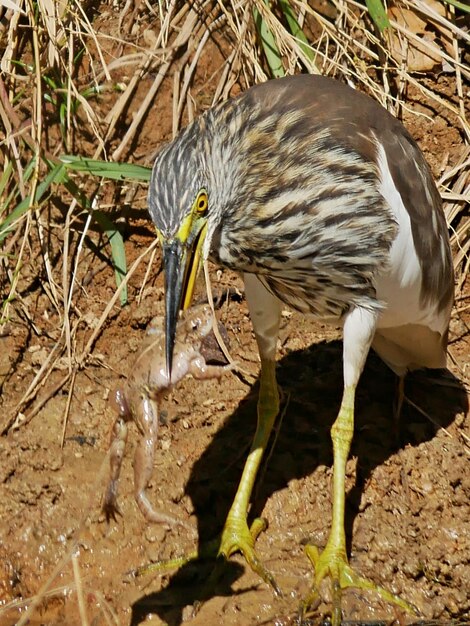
(138, 400)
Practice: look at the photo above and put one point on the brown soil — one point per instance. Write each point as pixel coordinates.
(408, 487)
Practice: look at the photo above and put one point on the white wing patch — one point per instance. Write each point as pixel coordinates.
(399, 288)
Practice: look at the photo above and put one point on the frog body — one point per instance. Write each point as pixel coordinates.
(137, 400)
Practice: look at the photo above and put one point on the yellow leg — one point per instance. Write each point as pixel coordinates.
(265, 312)
(236, 536)
(333, 561)
(358, 332)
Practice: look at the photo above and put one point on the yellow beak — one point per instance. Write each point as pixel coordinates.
(182, 255)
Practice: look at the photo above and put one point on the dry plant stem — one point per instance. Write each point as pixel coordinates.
(210, 300)
(37, 137)
(180, 95)
(202, 35)
(74, 545)
(79, 587)
(257, 73)
(463, 245)
(36, 128)
(463, 164)
(33, 389)
(92, 33)
(460, 186)
(44, 400)
(461, 234)
(9, 55)
(20, 605)
(146, 275)
(191, 69)
(461, 239)
(66, 291)
(458, 78)
(115, 113)
(11, 121)
(181, 39)
(136, 122)
(77, 257)
(190, 107)
(81, 360)
(175, 120)
(15, 275)
(220, 90)
(68, 140)
(107, 610)
(250, 378)
(457, 197)
(433, 421)
(430, 13)
(423, 43)
(67, 407)
(122, 14)
(51, 20)
(223, 88)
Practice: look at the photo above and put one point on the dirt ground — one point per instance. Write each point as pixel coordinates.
(408, 511)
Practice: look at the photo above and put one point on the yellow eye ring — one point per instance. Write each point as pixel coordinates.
(202, 203)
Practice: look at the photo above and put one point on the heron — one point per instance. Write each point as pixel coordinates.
(323, 202)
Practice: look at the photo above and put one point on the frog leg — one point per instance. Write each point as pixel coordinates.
(116, 454)
(199, 369)
(237, 536)
(146, 417)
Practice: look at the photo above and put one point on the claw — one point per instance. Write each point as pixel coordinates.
(333, 563)
(237, 537)
(110, 506)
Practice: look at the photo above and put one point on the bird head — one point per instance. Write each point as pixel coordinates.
(178, 205)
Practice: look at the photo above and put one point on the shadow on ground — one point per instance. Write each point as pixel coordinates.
(312, 379)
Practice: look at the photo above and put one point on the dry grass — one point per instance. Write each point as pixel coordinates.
(47, 108)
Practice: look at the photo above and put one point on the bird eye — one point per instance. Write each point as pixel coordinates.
(202, 203)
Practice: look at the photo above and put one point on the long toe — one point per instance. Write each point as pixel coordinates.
(333, 564)
(237, 537)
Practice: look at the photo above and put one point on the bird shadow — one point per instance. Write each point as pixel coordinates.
(312, 380)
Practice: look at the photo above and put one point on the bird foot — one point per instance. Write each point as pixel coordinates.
(334, 564)
(237, 537)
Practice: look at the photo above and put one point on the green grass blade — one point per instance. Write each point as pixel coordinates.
(116, 241)
(5, 177)
(459, 5)
(55, 175)
(271, 51)
(378, 14)
(105, 169)
(118, 250)
(58, 174)
(295, 29)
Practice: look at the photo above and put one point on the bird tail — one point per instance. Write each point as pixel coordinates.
(411, 346)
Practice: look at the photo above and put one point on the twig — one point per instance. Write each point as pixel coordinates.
(215, 328)
(79, 588)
